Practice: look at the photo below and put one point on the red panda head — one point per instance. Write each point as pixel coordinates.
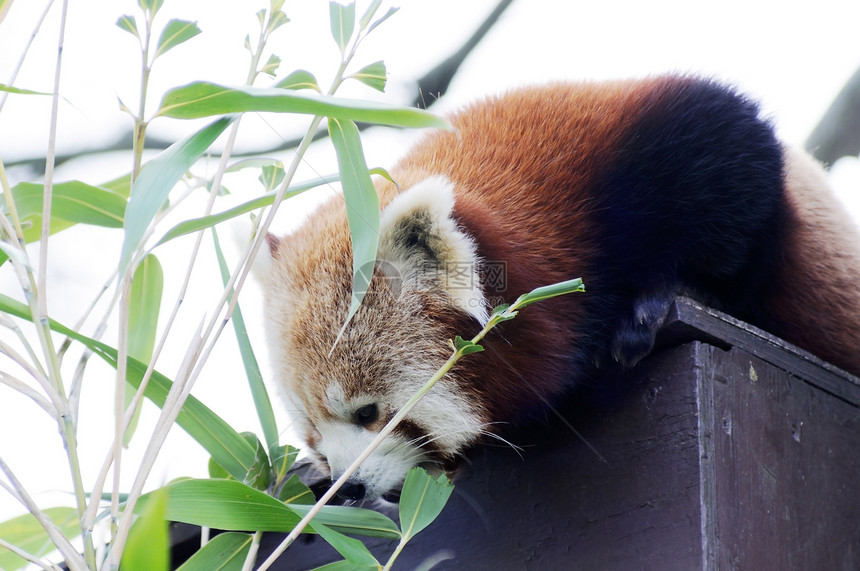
(341, 394)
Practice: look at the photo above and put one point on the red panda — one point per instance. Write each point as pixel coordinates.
(646, 189)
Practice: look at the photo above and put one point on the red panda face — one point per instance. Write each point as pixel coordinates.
(342, 393)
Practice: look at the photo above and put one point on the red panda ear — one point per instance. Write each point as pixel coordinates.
(273, 243)
(266, 256)
(419, 238)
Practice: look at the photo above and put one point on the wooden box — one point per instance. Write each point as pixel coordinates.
(726, 449)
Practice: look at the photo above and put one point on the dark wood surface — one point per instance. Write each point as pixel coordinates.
(726, 449)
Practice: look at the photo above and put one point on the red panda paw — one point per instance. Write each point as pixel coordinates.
(633, 338)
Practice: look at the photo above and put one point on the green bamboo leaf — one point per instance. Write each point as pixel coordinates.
(224, 552)
(4, 8)
(216, 471)
(362, 207)
(271, 66)
(129, 24)
(342, 566)
(18, 91)
(342, 23)
(547, 292)
(234, 506)
(465, 346)
(226, 445)
(72, 202)
(294, 491)
(26, 533)
(205, 99)
(277, 20)
(147, 284)
(372, 75)
(271, 176)
(368, 14)
(283, 458)
(391, 11)
(422, 499)
(148, 545)
(144, 306)
(156, 180)
(203, 222)
(352, 549)
(262, 403)
(120, 186)
(352, 520)
(174, 33)
(151, 6)
(260, 475)
(299, 79)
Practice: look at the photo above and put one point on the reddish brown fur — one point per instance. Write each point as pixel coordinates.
(817, 305)
(523, 167)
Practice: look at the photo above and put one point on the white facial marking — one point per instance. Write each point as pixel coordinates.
(445, 415)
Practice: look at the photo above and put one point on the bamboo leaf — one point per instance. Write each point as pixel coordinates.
(342, 566)
(260, 475)
(294, 491)
(72, 202)
(422, 499)
(147, 284)
(342, 23)
(372, 75)
(283, 458)
(234, 506)
(465, 346)
(352, 549)
(224, 552)
(19, 91)
(156, 180)
(277, 20)
(144, 306)
(352, 520)
(271, 176)
(271, 66)
(148, 546)
(26, 533)
(368, 14)
(203, 222)
(262, 403)
(174, 33)
(226, 445)
(299, 79)
(129, 24)
(4, 8)
(151, 6)
(120, 186)
(362, 207)
(547, 292)
(391, 11)
(205, 99)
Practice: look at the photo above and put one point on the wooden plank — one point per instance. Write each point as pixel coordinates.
(689, 320)
(786, 474)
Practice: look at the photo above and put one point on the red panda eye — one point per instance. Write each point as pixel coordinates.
(366, 414)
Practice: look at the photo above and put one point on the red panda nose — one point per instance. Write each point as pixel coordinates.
(352, 491)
